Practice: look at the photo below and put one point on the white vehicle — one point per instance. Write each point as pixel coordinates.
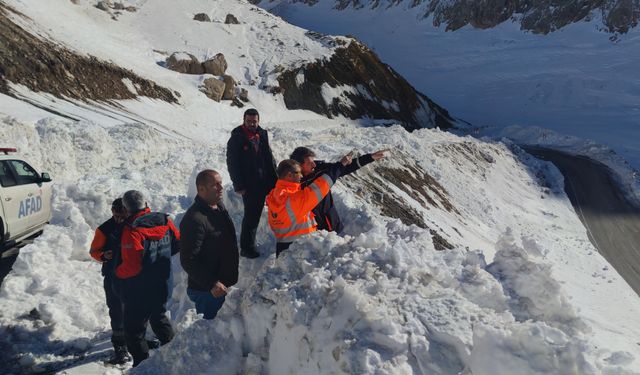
(25, 198)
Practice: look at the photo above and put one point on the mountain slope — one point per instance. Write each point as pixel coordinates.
(456, 251)
(577, 81)
(260, 50)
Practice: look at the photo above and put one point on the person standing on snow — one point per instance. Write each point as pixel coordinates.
(208, 246)
(149, 239)
(105, 248)
(290, 205)
(253, 172)
(325, 212)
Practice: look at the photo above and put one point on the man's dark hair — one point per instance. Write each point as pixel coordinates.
(118, 206)
(205, 176)
(251, 112)
(300, 153)
(287, 166)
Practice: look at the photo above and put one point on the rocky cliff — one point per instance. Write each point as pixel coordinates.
(354, 83)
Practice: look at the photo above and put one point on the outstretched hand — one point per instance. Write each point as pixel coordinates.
(380, 154)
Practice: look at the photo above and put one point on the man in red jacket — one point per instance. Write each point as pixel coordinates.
(149, 239)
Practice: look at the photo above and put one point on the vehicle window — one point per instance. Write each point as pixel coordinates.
(6, 176)
(24, 172)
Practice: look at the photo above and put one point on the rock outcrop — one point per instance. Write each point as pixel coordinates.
(354, 83)
(183, 62)
(217, 65)
(229, 87)
(231, 19)
(202, 17)
(213, 88)
(43, 66)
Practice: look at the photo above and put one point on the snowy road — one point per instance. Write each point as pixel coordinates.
(612, 223)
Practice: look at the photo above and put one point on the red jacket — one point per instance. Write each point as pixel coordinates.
(136, 238)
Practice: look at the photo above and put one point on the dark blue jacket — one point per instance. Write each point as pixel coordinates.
(325, 212)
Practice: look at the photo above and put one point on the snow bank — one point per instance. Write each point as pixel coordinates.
(379, 299)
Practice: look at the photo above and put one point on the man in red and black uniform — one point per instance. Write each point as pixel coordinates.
(105, 248)
(149, 239)
(253, 172)
(325, 212)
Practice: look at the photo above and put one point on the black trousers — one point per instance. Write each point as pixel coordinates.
(116, 310)
(145, 299)
(253, 206)
(282, 246)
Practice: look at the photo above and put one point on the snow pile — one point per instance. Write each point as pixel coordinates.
(378, 299)
(386, 302)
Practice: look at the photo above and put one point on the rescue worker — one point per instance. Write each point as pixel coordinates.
(149, 239)
(253, 173)
(325, 212)
(208, 246)
(290, 205)
(105, 248)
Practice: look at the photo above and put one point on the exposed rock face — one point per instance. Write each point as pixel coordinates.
(538, 16)
(378, 184)
(103, 5)
(244, 95)
(229, 87)
(231, 19)
(202, 17)
(356, 84)
(217, 65)
(183, 62)
(213, 88)
(45, 67)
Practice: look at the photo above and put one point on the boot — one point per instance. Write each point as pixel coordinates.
(120, 355)
(249, 253)
(153, 343)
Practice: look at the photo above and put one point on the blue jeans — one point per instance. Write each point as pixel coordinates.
(206, 303)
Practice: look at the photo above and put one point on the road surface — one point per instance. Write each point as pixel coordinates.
(612, 223)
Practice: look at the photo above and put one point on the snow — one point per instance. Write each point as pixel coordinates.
(522, 290)
(574, 81)
(379, 299)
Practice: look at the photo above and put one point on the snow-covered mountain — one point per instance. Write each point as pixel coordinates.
(538, 16)
(459, 255)
(261, 55)
(578, 80)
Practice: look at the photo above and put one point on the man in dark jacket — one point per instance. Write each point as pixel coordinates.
(208, 247)
(325, 212)
(253, 172)
(105, 248)
(149, 239)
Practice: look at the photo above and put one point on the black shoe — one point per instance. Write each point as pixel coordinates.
(251, 253)
(120, 356)
(153, 344)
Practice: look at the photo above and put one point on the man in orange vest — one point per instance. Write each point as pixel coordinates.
(290, 206)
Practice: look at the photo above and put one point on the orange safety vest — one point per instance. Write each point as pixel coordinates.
(290, 207)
